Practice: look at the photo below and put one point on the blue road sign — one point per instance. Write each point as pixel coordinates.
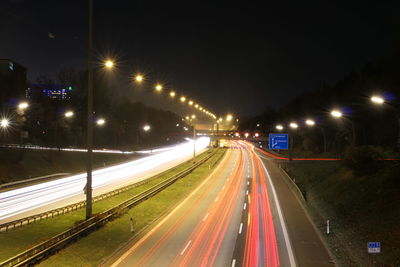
(374, 247)
(278, 141)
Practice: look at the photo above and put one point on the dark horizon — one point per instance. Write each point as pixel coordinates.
(238, 59)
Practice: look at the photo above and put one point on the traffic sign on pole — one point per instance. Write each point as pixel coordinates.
(374, 247)
(278, 141)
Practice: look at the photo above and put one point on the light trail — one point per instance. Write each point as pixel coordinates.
(28, 198)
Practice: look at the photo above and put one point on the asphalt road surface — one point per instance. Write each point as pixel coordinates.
(243, 214)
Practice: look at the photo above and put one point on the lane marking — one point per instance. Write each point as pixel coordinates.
(187, 245)
(233, 263)
(283, 225)
(240, 228)
(154, 229)
(205, 217)
(223, 187)
(216, 199)
(247, 192)
(248, 182)
(244, 206)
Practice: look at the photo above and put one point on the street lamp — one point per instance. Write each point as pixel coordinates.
(146, 128)
(377, 100)
(109, 64)
(336, 113)
(193, 116)
(183, 99)
(4, 123)
(279, 127)
(172, 94)
(100, 122)
(229, 117)
(310, 122)
(159, 87)
(190, 103)
(293, 125)
(23, 105)
(139, 78)
(69, 114)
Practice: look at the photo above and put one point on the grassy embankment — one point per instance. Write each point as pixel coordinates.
(18, 240)
(361, 209)
(18, 164)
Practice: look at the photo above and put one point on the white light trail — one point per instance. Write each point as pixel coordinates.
(24, 199)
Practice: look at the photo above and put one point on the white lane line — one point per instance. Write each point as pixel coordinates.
(283, 225)
(244, 206)
(233, 263)
(240, 228)
(248, 176)
(205, 217)
(216, 199)
(227, 179)
(248, 182)
(223, 187)
(187, 245)
(247, 192)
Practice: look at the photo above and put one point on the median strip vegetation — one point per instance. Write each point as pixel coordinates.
(18, 240)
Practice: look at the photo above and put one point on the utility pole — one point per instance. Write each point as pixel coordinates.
(88, 186)
(194, 141)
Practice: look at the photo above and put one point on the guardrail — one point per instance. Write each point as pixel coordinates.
(32, 179)
(42, 250)
(67, 209)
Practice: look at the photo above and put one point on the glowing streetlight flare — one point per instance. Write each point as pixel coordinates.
(229, 117)
(196, 106)
(193, 116)
(190, 103)
(109, 64)
(377, 100)
(146, 128)
(69, 114)
(23, 105)
(310, 122)
(101, 122)
(172, 94)
(183, 99)
(279, 127)
(4, 123)
(159, 87)
(139, 78)
(336, 113)
(293, 125)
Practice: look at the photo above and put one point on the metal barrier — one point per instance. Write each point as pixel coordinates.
(43, 249)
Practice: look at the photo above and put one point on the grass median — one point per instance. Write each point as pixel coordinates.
(20, 239)
(93, 249)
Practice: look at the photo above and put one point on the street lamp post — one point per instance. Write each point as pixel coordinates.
(89, 137)
(338, 114)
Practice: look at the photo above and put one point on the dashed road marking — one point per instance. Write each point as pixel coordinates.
(216, 199)
(187, 245)
(205, 217)
(247, 192)
(244, 206)
(240, 228)
(233, 263)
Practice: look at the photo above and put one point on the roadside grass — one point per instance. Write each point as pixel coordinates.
(20, 239)
(361, 209)
(18, 164)
(93, 249)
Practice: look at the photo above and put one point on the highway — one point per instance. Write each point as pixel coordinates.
(233, 218)
(30, 200)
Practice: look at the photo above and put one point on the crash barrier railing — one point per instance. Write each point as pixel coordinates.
(44, 249)
(67, 209)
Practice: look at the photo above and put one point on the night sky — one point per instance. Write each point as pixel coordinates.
(235, 57)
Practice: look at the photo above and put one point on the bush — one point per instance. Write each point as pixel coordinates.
(364, 159)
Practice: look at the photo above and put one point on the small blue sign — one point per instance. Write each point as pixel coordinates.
(374, 247)
(278, 141)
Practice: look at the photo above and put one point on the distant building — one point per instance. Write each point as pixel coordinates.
(12, 80)
(53, 91)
